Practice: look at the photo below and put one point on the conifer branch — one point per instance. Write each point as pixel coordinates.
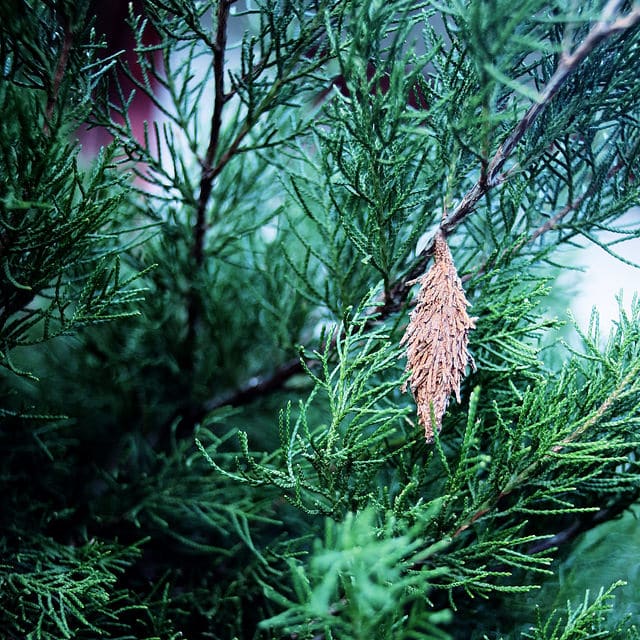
(538, 452)
(206, 181)
(263, 385)
(568, 64)
(599, 413)
(208, 174)
(530, 470)
(490, 175)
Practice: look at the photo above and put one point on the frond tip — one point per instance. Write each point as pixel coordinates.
(437, 338)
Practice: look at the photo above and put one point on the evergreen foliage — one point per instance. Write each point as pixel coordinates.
(202, 423)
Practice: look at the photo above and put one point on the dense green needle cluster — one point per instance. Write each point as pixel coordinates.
(203, 429)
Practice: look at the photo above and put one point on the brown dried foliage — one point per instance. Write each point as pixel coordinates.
(437, 338)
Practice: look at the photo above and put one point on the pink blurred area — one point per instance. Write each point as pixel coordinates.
(111, 25)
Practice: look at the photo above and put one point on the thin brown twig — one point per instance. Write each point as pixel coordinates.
(208, 175)
(555, 220)
(256, 387)
(206, 181)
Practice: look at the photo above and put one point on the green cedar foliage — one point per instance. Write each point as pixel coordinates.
(202, 423)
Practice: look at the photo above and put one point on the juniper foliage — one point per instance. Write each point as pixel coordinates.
(203, 427)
